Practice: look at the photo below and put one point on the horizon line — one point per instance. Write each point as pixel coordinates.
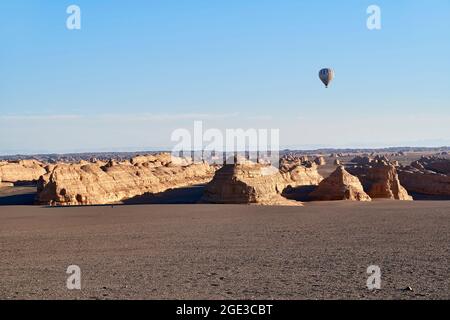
(163, 150)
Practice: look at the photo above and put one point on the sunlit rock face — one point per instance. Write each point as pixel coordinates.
(340, 185)
(429, 175)
(255, 183)
(21, 171)
(111, 182)
(379, 178)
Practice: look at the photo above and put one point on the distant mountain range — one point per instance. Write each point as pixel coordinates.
(73, 157)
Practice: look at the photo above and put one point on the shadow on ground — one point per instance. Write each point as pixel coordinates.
(425, 197)
(187, 195)
(25, 195)
(20, 194)
(298, 193)
(17, 199)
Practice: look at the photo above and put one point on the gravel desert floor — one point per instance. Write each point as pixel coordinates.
(319, 251)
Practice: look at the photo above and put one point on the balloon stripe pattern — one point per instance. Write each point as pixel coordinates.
(326, 76)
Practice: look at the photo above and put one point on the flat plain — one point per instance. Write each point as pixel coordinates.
(319, 251)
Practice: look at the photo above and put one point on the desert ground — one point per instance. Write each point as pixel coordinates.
(320, 251)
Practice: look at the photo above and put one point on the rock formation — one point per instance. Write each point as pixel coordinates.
(162, 159)
(5, 184)
(304, 159)
(436, 164)
(300, 173)
(380, 179)
(362, 160)
(429, 175)
(320, 161)
(340, 185)
(21, 171)
(249, 183)
(255, 183)
(99, 183)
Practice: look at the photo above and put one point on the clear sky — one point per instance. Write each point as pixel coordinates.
(137, 70)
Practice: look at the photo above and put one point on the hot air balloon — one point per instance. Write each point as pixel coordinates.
(326, 75)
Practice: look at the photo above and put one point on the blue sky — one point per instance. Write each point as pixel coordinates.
(137, 70)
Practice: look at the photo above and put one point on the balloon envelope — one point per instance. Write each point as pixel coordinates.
(326, 75)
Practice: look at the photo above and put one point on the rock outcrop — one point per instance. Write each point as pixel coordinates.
(162, 159)
(380, 179)
(300, 173)
(99, 183)
(254, 183)
(435, 164)
(21, 171)
(340, 185)
(5, 184)
(429, 175)
(249, 183)
(320, 161)
(362, 160)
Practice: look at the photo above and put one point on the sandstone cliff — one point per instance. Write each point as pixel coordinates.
(320, 161)
(340, 185)
(300, 173)
(21, 171)
(435, 164)
(430, 176)
(255, 183)
(5, 184)
(380, 179)
(99, 183)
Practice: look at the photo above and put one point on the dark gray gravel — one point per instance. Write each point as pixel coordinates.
(320, 251)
